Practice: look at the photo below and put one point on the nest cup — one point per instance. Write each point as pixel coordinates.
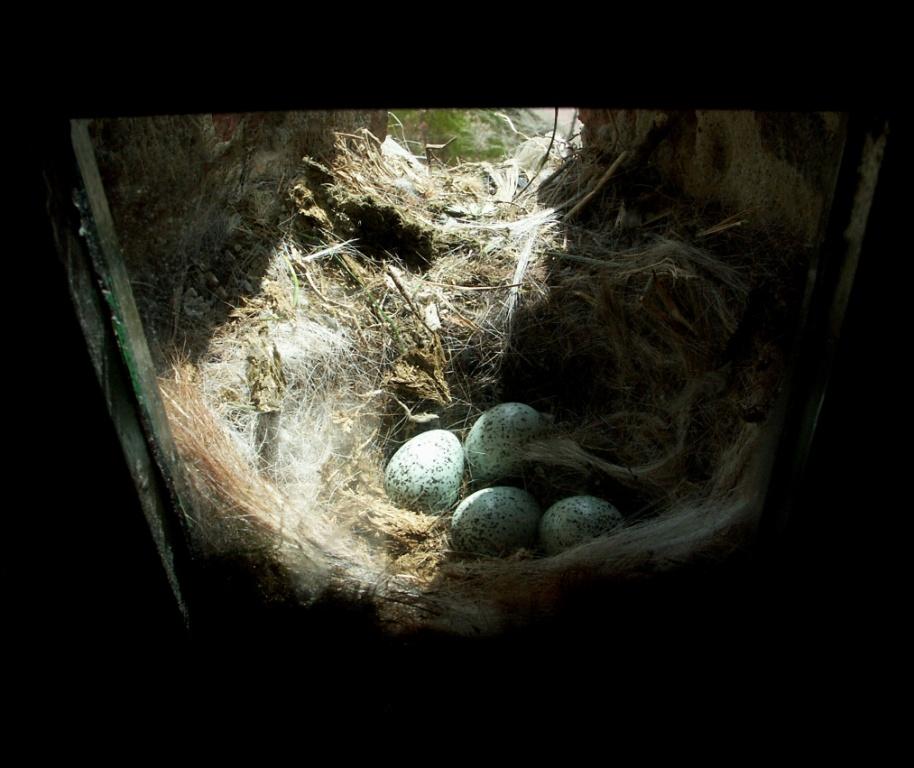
(398, 295)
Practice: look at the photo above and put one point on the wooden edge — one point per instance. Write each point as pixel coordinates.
(116, 340)
(830, 280)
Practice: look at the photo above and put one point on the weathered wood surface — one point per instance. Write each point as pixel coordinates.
(116, 343)
(830, 281)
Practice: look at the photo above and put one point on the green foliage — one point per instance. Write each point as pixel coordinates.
(471, 135)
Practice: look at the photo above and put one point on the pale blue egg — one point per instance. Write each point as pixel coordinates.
(577, 519)
(495, 521)
(426, 472)
(495, 444)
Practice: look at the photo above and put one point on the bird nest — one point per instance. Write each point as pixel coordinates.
(403, 295)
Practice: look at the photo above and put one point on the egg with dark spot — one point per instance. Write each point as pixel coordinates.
(577, 519)
(495, 443)
(495, 521)
(426, 472)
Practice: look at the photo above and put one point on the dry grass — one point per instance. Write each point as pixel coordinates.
(435, 293)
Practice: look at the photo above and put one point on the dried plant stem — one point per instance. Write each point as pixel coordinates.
(603, 181)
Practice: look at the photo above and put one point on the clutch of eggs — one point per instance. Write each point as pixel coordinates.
(425, 473)
(493, 447)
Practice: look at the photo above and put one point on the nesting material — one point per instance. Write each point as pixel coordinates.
(403, 297)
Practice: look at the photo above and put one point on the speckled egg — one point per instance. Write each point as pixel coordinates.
(575, 520)
(425, 473)
(495, 521)
(493, 447)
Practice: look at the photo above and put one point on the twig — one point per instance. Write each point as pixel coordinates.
(328, 251)
(409, 301)
(321, 295)
(726, 224)
(466, 321)
(566, 164)
(633, 158)
(581, 259)
(416, 418)
(529, 186)
(604, 179)
(473, 287)
(441, 146)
